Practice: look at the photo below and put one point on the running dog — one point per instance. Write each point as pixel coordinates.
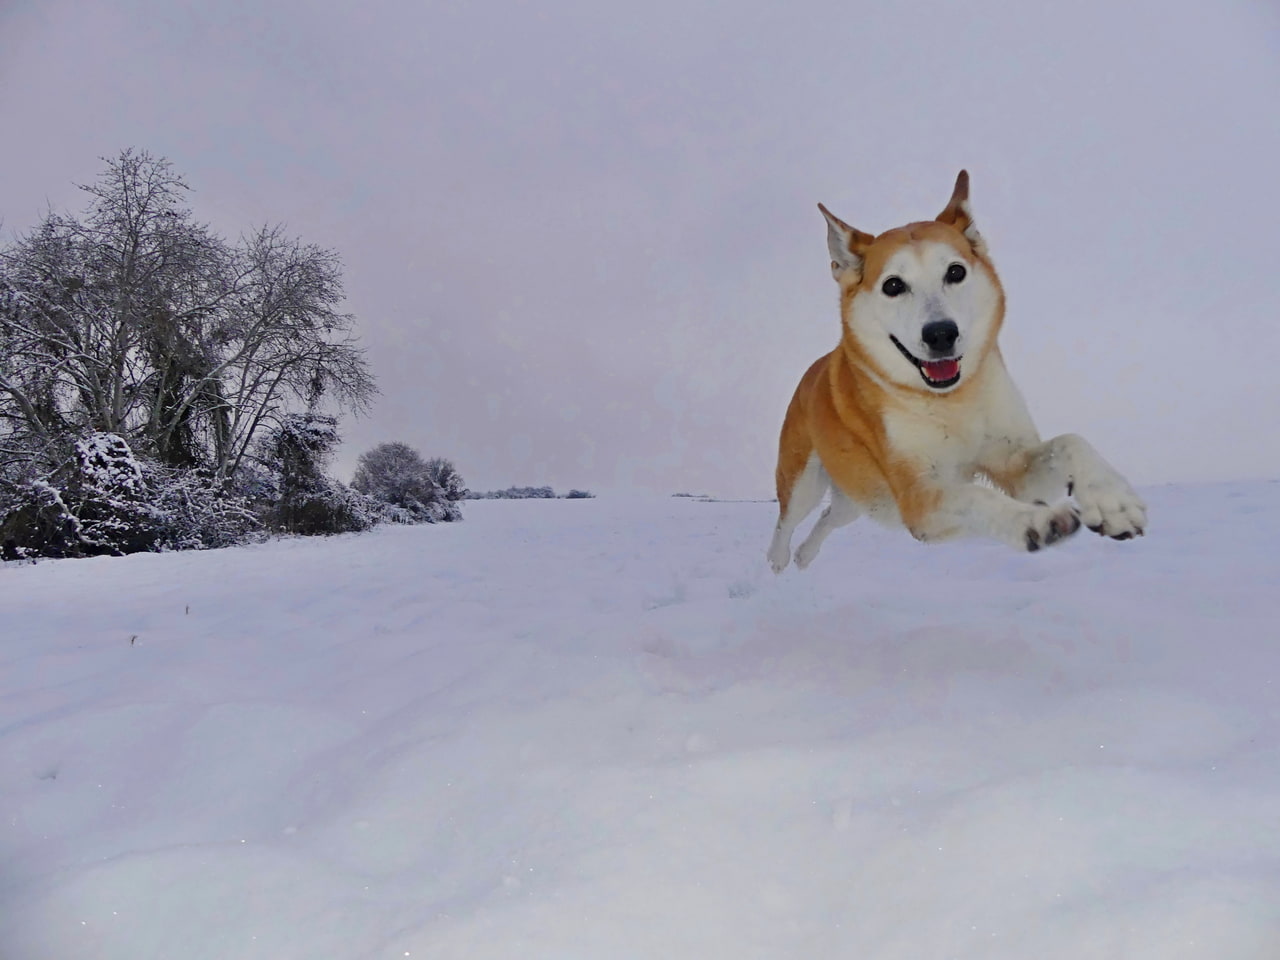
(913, 419)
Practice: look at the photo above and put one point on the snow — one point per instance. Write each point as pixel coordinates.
(602, 729)
(107, 462)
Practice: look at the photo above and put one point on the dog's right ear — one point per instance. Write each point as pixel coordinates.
(845, 244)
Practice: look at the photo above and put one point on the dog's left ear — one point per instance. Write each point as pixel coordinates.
(959, 214)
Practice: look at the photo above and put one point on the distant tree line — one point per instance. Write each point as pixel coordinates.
(162, 387)
(527, 493)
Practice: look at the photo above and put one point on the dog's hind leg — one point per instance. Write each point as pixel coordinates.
(794, 505)
(840, 512)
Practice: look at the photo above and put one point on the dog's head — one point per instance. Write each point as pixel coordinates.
(922, 303)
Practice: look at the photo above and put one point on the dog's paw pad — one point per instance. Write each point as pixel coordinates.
(1050, 525)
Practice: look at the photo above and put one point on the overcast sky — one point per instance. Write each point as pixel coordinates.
(581, 236)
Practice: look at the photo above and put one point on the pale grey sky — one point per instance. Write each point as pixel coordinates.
(581, 237)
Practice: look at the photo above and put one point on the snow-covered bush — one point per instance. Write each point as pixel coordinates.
(35, 521)
(196, 513)
(106, 487)
(327, 507)
(396, 474)
(105, 500)
(102, 498)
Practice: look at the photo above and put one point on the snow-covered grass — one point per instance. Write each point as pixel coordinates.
(600, 729)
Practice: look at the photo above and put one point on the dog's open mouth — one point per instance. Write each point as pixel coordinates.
(938, 374)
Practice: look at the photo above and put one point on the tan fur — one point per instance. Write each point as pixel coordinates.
(839, 407)
(900, 451)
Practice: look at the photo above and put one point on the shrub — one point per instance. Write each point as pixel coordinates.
(396, 474)
(105, 500)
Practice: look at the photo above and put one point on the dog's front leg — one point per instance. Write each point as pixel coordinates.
(970, 510)
(1108, 504)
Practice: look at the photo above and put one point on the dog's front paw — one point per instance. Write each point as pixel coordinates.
(1108, 506)
(1047, 525)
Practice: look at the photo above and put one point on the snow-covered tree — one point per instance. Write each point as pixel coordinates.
(445, 476)
(137, 343)
(134, 319)
(309, 501)
(396, 474)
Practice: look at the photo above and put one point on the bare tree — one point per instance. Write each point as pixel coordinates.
(138, 321)
(288, 344)
(86, 299)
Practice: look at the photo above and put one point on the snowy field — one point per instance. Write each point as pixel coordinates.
(602, 730)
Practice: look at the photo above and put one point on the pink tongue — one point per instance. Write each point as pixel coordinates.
(939, 370)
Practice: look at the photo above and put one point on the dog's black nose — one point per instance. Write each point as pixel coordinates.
(940, 335)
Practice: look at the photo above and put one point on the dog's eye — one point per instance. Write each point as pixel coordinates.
(955, 273)
(893, 287)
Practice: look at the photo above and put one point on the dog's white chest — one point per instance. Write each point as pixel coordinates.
(940, 442)
(951, 441)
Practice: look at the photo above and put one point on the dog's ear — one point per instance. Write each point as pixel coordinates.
(959, 214)
(845, 244)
